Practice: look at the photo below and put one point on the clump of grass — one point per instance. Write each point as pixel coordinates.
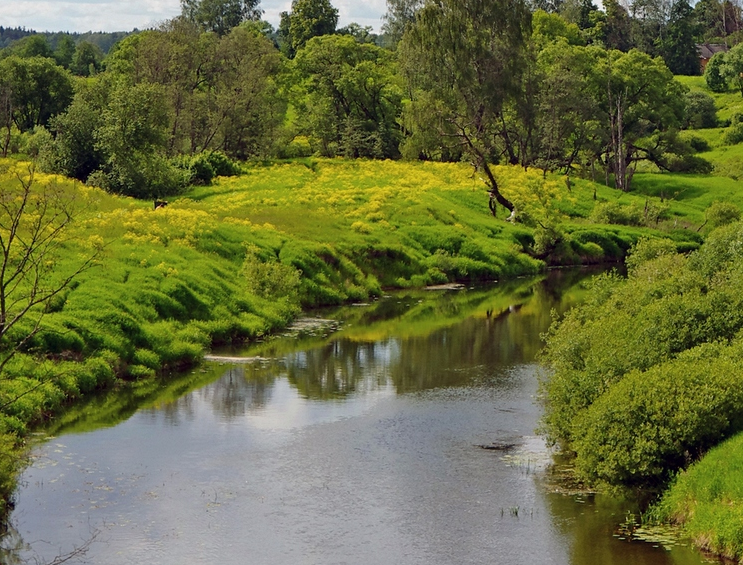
(707, 499)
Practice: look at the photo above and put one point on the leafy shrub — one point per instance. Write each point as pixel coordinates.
(722, 213)
(652, 423)
(688, 164)
(615, 213)
(700, 111)
(698, 144)
(647, 249)
(733, 135)
(270, 279)
(221, 164)
(714, 74)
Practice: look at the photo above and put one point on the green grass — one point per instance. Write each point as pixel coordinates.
(707, 499)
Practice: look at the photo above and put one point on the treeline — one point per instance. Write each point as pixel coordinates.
(491, 82)
(101, 39)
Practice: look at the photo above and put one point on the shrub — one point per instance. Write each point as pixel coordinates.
(647, 249)
(714, 74)
(698, 144)
(700, 111)
(652, 423)
(721, 214)
(733, 135)
(270, 279)
(615, 213)
(688, 164)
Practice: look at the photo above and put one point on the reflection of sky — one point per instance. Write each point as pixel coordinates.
(118, 15)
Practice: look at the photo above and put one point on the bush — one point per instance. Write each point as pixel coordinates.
(270, 279)
(614, 213)
(714, 74)
(647, 249)
(698, 144)
(733, 135)
(652, 423)
(722, 214)
(700, 111)
(688, 164)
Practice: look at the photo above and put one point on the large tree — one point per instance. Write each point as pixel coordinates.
(678, 47)
(35, 89)
(220, 16)
(349, 97)
(465, 60)
(399, 16)
(307, 19)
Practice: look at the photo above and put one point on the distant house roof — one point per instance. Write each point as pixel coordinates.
(706, 50)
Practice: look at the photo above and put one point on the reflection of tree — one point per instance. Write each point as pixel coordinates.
(242, 389)
(338, 368)
(448, 356)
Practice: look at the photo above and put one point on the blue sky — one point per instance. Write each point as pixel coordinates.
(116, 15)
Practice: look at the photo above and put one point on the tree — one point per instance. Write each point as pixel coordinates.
(733, 68)
(701, 111)
(86, 60)
(32, 46)
(37, 90)
(714, 73)
(220, 92)
(569, 123)
(465, 61)
(73, 152)
(308, 19)
(642, 104)
(399, 16)
(132, 137)
(64, 51)
(617, 27)
(678, 47)
(362, 34)
(350, 97)
(220, 16)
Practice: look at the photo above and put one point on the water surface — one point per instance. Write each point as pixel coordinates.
(359, 446)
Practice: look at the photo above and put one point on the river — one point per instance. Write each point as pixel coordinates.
(402, 432)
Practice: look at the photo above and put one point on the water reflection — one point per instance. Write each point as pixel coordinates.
(357, 447)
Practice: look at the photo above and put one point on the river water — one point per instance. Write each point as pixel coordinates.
(358, 441)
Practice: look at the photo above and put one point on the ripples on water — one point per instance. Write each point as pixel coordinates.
(363, 447)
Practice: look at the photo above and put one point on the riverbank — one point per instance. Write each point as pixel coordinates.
(641, 418)
(239, 259)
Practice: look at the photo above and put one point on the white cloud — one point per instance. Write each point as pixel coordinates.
(117, 15)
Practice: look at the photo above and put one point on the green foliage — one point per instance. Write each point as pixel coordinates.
(714, 73)
(270, 279)
(652, 423)
(36, 88)
(614, 213)
(635, 417)
(349, 98)
(647, 249)
(220, 16)
(307, 19)
(700, 110)
(706, 499)
(721, 214)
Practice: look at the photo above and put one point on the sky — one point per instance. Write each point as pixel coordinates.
(125, 15)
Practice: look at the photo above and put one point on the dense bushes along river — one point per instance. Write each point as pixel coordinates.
(647, 377)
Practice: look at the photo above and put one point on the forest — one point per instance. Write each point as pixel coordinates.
(308, 165)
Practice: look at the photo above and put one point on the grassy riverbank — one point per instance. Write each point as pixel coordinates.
(237, 259)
